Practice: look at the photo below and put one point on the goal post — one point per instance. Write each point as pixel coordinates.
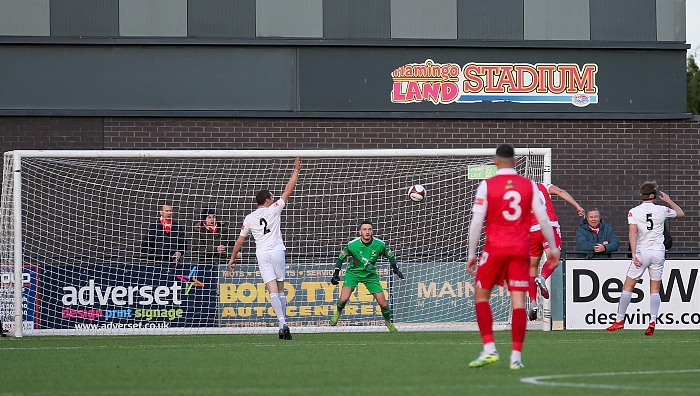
(73, 223)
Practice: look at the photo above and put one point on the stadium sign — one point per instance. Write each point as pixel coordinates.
(593, 289)
(445, 83)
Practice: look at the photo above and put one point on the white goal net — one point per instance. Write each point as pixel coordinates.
(76, 259)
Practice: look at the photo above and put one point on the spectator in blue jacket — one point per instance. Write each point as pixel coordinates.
(595, 236)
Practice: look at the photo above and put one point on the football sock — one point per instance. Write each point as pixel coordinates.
(625, 299)
(283, 302)
(516, 356)
(340, 306)
(518, 328)
(386, 313)
(490, 348)
(532, 289)
(547, 270)
(484, 318)
(654, 305)
(277, 307)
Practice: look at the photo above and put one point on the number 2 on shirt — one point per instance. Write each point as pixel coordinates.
(263, 223)
(514, 198)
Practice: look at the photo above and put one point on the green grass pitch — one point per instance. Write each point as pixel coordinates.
(558, 362)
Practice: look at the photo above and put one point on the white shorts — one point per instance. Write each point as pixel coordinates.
(271, 265)
(651, 259)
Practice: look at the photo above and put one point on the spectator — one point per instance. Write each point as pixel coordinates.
(595, 236)
(165, 239)
(211, 238)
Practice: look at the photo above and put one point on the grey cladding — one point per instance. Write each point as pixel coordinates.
(623, 20)
(490, 20)
(221, 18)
(25, 18)
(557, 20)
(417, 19)
(289, 18)
(356, 19)
(85, 18)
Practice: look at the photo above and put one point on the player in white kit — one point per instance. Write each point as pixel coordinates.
(264, 223)
(646, 233)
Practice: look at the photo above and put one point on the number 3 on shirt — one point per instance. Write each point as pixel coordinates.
(514, 198)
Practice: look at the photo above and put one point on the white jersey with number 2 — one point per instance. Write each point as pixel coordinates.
(264, 223)
(649, 219)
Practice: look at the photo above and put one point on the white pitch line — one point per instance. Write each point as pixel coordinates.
(539, 380)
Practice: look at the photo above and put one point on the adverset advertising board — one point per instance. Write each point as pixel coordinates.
(593, 289)
(126, 295)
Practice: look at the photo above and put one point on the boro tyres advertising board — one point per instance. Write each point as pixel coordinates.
(593, 289)
(126, 295)
(434, 292)
(311, 298)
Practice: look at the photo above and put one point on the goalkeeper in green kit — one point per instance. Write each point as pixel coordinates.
(362, 254)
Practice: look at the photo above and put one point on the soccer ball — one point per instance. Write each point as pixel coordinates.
(416, 193)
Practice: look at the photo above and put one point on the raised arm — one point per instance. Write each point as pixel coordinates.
(561, 193)
(292, 180)
(664, 197)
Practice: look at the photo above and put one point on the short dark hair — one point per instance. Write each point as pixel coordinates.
(206, 212)
(365, 222)
(506, 151)
(648, 188)
(262, 196)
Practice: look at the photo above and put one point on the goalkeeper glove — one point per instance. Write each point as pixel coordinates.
(397, 271)
(336, 277)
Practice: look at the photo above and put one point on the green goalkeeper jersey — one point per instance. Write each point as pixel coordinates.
(363, 257)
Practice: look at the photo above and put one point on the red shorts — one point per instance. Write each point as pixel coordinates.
(496, 268)
(538, 244)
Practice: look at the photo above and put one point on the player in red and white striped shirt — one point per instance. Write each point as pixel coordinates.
(504, 202)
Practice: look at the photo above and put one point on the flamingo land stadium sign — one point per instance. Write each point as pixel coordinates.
(445, 83)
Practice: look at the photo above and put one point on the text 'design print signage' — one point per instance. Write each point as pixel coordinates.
(593, 289)
(127, 295)
(445, 83)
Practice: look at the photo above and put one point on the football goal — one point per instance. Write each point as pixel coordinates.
(75, 258)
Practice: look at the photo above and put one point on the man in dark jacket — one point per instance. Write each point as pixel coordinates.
(595, 236)
(165, 239)
(210, 238)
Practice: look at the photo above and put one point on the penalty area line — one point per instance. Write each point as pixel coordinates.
(543, 380)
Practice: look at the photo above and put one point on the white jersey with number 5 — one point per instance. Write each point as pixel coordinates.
(649, 219)
(264, 223)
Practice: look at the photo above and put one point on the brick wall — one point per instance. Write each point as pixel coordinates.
(600, 163)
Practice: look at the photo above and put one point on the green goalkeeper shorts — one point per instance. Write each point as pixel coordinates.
(370, 279)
